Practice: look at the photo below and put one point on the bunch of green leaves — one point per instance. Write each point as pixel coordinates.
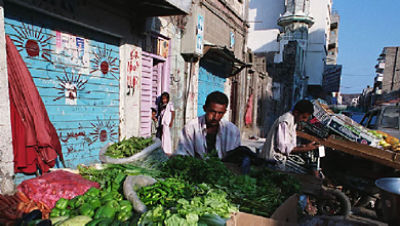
(196, 170)
(259, 193)
(199, 210)
(111, 176)
(165, 192)
(128, 147)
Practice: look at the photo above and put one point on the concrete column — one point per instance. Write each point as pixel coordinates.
(255, 81)
(6, 148)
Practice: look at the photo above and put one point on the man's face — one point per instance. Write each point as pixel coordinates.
(301, 117)
(214, 113)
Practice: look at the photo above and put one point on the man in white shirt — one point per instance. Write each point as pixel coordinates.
(281, 139)
(209, 134)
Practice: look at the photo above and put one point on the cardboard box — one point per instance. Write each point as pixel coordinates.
(351, 132)
(285, 215)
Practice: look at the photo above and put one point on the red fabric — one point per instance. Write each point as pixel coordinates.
(23, 160)
(249, 111)
(40, 136)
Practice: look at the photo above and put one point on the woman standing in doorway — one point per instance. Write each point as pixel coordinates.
(166, 120)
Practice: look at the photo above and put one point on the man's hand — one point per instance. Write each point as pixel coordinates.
(170, 125)
(311, 146)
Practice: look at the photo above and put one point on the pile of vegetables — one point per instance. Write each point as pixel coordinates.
(175, 202)
(128, 147)
(259, 193)
(386, 141)
(99, 207)
(188, 191)
(102, 206)
(165, 192)
(52, 186)
(113, 175)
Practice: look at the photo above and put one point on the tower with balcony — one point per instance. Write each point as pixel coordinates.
(295, 23)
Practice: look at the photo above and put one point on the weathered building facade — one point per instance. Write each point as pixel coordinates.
(213, 46)
(386, 88)
(86, 59)
(99, 67)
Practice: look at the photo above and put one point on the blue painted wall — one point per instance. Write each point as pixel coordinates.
(77, 75)
(208, 83)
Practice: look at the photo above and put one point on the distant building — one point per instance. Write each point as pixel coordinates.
(318, 41)
(332, 72)
(387, 80)
(333, 45)
(331, 78)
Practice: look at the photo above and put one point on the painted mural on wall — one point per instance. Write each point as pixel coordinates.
(78, 80)
(133, 69)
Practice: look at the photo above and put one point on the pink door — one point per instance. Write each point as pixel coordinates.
(146, 97)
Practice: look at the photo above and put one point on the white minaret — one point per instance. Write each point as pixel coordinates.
(296, 19)
(295, 23)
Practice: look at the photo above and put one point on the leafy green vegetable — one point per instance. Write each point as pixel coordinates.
(128, 147)
(112, 176)
(190, 211)
(165, 192)
(259, 193)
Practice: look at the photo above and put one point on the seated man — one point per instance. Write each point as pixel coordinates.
(209, 134)
(282, 138)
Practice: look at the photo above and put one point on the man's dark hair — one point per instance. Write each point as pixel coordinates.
(153, 110)
(304, 106)
(217, 97)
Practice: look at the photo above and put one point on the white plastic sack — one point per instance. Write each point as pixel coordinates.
(133, 183)
(138, 156)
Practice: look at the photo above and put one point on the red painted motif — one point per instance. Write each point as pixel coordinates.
(105, 63)
(103, 130)
(32, 40)
(69, 85)
(104, 67)
(32, 48)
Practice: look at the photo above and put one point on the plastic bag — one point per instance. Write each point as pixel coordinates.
(133, 183)
(141, 155)
(50, 187)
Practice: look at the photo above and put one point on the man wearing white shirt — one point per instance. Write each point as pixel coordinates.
(282, 140)
(209, 134)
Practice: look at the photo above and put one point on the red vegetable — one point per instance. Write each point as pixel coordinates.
(50, 187)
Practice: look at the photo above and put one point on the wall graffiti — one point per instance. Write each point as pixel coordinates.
(32, 40)
(69, 85)
(105, 63)
(133, 67)
(71, 135)
(78, 80)
(102, 131)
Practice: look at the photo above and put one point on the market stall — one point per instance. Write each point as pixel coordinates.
(383, 156)
(341, 133)
(145, 188)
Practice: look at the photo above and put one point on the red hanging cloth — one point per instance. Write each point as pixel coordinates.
(35, 139)
(249, 112)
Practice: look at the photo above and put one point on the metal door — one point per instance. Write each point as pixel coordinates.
(208, 83)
